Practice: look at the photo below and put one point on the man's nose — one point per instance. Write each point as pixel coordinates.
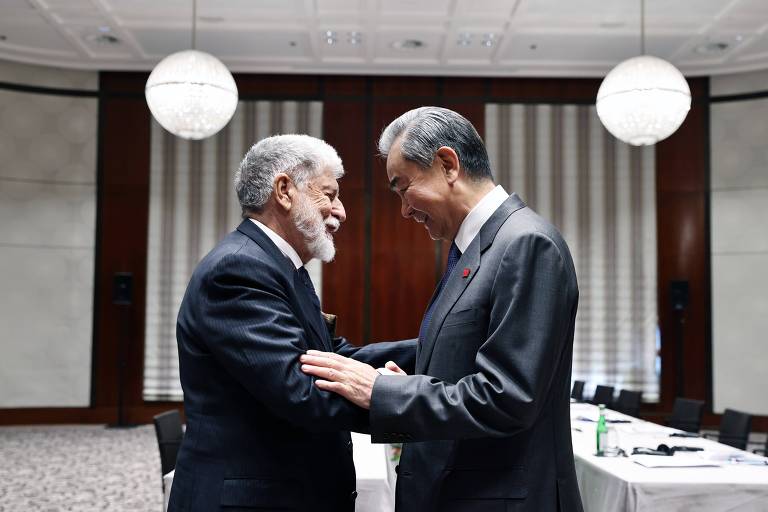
(337, 210)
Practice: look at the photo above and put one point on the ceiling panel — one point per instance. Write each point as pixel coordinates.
(340, 7)
(499, 9)
(157, 43)
(542, 37)
(408, 8)
(87, 16)
(584, 48)
(69, 4)
(33, 33)
(254, 44)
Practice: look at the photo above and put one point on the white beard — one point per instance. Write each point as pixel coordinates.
(314, 229)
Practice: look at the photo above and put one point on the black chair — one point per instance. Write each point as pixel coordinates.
(762, 451)
(169, 435)
(603, 395)
(577, 392)
(734, 429)
(686, 414)
(629, 402)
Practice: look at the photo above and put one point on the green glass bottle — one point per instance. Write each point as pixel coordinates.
(602, 432)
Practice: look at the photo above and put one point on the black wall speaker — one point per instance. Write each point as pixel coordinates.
(122, 288)
(678, 295)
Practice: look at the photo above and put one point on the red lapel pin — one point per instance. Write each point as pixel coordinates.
(466, 273)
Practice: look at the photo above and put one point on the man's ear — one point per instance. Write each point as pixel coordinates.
(449, 161)
(284, 190)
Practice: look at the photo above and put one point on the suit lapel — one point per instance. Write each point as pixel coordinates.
(298, 293)
(456, 284)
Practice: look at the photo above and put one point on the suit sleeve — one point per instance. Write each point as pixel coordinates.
(377, 354)
(252, 331)
(531, 302)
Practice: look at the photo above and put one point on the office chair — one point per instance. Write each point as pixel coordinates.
(169, 435)
(629, 402)
(603, 395)
(734, 429)
(577, 392)
(686, 414)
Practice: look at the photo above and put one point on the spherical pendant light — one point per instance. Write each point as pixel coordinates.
(191, 94)
(643, 100)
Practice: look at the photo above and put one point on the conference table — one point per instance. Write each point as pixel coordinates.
(719, 478)
(710, 480)
(375, 470)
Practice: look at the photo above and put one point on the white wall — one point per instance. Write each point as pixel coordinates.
(47, 235)
(739, 214)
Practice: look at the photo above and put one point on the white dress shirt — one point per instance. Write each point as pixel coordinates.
(281, 244)
(478, 215)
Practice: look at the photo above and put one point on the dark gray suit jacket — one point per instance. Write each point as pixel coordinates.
(487, 425)
(259, 434)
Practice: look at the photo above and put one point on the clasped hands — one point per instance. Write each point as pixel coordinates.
(347, 377)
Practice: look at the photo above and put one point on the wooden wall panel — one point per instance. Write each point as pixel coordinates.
(344, 280)
(682, 204)
(122, 223)
(403, 261)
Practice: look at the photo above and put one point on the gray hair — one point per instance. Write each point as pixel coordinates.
(301, 157)
(424, 130)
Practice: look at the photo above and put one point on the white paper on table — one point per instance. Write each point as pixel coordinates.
(664, 461)
(734, 457)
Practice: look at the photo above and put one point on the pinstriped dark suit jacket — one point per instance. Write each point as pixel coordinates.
(259, 434)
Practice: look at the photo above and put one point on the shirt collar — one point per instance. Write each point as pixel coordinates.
(281, 244)
(475, 219)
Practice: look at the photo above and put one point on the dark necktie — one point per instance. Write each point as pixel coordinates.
(308, 283)
(453, 257)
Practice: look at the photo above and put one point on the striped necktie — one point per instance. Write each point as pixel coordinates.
(453, 257)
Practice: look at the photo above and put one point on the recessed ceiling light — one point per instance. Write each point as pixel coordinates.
(465, 39)
(330, 37)
(105, 39)
(712, 48)
(409, 44)
(354, 37)
(488, 40)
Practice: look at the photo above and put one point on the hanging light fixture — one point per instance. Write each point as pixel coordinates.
(644, 99)
(191, 93)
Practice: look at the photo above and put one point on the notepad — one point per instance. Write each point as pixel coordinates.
(660, 461)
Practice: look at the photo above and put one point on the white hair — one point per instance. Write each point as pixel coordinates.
(301, 157)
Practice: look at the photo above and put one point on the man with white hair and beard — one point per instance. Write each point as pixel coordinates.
(259, 434)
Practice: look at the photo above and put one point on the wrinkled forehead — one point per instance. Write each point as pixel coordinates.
(325, 180)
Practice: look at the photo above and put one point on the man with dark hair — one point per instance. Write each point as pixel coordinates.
(485, 420)
(259, 435)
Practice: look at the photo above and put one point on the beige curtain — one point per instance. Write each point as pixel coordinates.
(600, 193)
(193, 205)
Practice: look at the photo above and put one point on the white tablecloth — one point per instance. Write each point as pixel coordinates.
(375, 476)
(620, 484)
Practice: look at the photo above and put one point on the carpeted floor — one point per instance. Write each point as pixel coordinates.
(83, 468)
